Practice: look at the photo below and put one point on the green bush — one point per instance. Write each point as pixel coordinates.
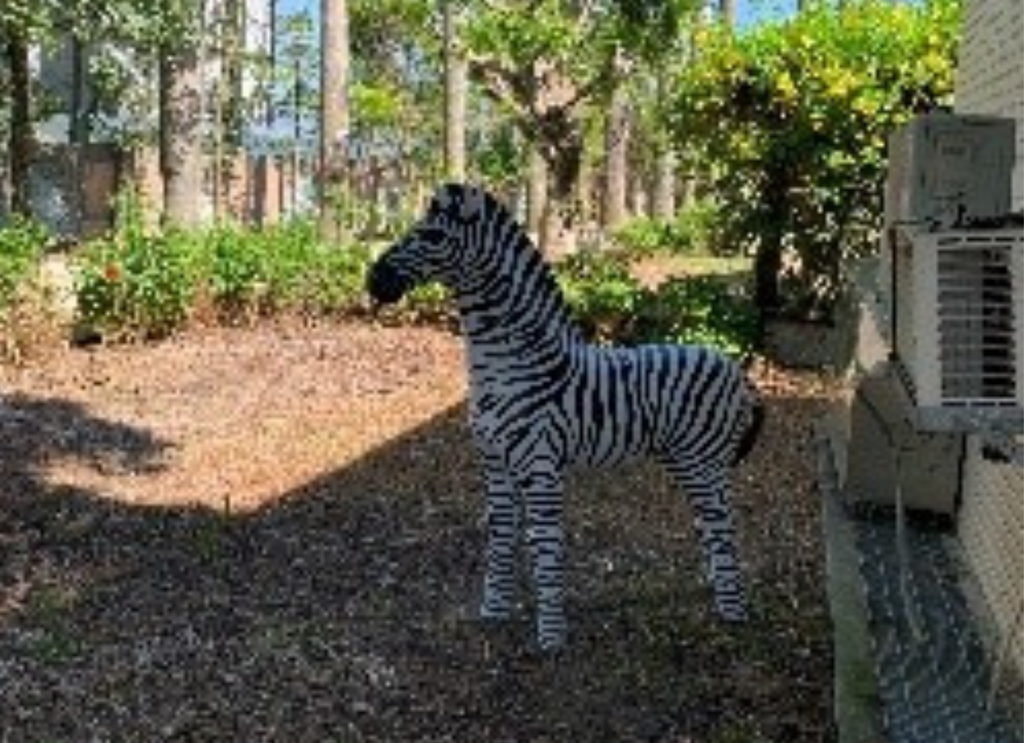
(142, 284)
(601, 292)
(283, 268)
(612, 307)
(136, 282)
(21, 246)
(700, 310)
(334, 280)
(138, 285)
(692, 231)
(234, 266)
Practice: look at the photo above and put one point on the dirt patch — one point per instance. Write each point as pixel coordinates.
(273, 534)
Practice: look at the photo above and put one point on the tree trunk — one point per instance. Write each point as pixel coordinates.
(768, 261)
(260, 206)
(536, 193)
(727, 9)
(616, 161)
(664, 206)
(181, 136)
(561, 213)
(334, 114)
(20, 127)
(546, 105)
(639, 195)
(456, 72)
(230, 114)
(585, 194)
(78, 122)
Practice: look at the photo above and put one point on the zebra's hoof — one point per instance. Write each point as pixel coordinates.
(495, 616)
(734, 616)
(552, 645)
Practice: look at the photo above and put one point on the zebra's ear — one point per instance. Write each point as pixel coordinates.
(472, 206)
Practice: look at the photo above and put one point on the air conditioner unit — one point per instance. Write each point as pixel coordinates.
(950, 171)
(958, 325)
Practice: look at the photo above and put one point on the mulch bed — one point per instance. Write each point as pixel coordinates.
(273, 534)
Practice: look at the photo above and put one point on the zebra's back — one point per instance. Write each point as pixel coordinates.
(670, 401)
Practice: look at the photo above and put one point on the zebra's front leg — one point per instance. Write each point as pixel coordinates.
(503, 507)
(545, 536)
(709, 496)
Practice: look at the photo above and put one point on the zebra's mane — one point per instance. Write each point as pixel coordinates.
(515, 237)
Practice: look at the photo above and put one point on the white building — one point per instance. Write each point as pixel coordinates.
(990, 525)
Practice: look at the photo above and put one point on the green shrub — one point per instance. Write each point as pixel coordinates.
(283, 267)
(290, 253)
(611, 306)
(334, 279)
(643, 235)
(146, 285)
(233, 265)
(21, 246)
(601, 293)
(136, 284)
(692, 231)
(701, 310)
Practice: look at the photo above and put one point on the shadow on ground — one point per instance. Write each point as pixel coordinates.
(343, 611)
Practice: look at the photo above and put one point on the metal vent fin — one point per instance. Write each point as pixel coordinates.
(977, 321)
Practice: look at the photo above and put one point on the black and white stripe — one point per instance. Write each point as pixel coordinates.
(543, 399)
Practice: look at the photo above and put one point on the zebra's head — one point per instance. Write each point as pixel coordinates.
(439, 247)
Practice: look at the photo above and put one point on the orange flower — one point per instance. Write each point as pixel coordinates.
(112, 272)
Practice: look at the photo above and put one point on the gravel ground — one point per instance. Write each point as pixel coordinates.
(273, 534)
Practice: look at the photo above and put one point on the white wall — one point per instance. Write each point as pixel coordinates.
(990, 80)
(990, 74)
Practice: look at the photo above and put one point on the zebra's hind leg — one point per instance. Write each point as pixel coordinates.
(707, 489)
(503, 508)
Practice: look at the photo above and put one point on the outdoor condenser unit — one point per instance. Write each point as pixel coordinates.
(950, 171)
(958, 325)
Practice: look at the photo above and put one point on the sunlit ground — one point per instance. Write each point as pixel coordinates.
(242, 416)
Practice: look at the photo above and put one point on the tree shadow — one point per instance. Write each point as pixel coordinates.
(36, 431)
(344, 610)
(47, 530)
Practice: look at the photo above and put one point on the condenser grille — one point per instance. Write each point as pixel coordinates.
(977, 323)
(958, 325)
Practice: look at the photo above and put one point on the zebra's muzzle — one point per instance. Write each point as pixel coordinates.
(385, 284)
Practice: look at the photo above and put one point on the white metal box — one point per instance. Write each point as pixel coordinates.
(949, 170)
(958, 325)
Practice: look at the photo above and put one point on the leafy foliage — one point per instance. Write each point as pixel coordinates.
(602, 294)
(701, 310)
(612, 306)
(21, 245)
(788, 122)
(692, 231)
(139, 283)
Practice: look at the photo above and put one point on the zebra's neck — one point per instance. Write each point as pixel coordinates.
(514, 311)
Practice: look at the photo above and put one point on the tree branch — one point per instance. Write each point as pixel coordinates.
(502, 84)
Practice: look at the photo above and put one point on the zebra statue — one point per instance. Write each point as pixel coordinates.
(542, 398)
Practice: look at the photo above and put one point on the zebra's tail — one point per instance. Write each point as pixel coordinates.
(754, 424)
